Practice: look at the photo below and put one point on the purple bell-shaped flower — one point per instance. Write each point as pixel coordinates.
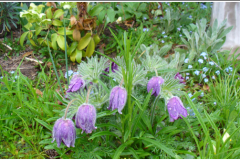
(176, 109)
(118, 98)
(180, 78)
(64, 131)
(114, 67)
(155, 84)
(76, 84)
(86, 118)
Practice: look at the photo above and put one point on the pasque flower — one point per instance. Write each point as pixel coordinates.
(180, 78)
(114, 67)
(76, 83)
(118, 98)
(155, 84)
(86, 118)
(176, 109)
(64, 131)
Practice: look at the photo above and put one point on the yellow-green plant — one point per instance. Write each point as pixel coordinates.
(51, 22)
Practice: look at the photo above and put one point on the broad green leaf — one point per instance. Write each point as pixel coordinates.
(111, 14)
(38, 30)
(60, 41)
(73, 56)
(58, 13)
(106, 113)
(44, 124)
(102, 133)
(142, 7)
(23, 37)
(96, 10)
(225, 32)
(57, 22)
(102, 15)
(49, 13)
(28, 26)
(54, 40)
(187, 34)
(61, 31)
(121, 148)
(72, 48)
(78, 56)
(32, 42)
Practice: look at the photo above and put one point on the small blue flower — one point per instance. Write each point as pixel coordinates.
(211, 63)
(230, 69)
(186, 60)
(70, 72)
(202, 94)
(1, 77)
(178, 29)
(187, 78)
(204, 54)
(187, 74)
(190, 31)
(150, 45)
(227, 70)
(190, 95)
(215, 103)
(12, 72)
(114, 79)
(162, 41)
(16, 77)
(203, 75)
(205, 69)
(180, 35)
(117, 5)
(144, 18)
(163, 32)
(190, 16)
(159, 6)
(165, 36)
(189, 66)
(193, 99)
(217, 72)
(180, 26)
(205, 80)
(213, 77)
(200, 60)
(145, 29)
(170, 37)
(196, 72)
(182, 2)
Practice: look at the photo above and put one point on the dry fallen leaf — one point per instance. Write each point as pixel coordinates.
(27, 54)
(38, 92)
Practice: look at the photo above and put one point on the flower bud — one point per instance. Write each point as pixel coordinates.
(118, 98)
(64, 130)
(114, 67)
(180, 78)
(86, 118)
(176, 109)
(155, 84)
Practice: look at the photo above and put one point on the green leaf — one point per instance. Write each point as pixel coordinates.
(142, 7)
(23, 37)
(73, 56)
(54, 40)
(78, 55)
(111, 14)
(49, 13)
(121, 148)
(187, 34)
(61, 31)
(28, 26)
(225, 32)
(57, 22)
(160, 146)
(106, 113)
(60, 41)
(58, 13)
(103, 133)
(96, 10)
(165, 49)
(44, 124)
(102, 15)
(38, 30)
(72, 48)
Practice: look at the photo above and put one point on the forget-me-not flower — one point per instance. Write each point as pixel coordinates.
(202, 94)
(180, 35)
(211, 63)
(186, 60)
(162, 41)
(214, 103)
(205, 80)
(217, 72)
(178, 29)
(12, 72)
(187, 74)
(163, 32)
(190, 31)
(205, 69)
(70, 72)
(144, 18)
(190, 16)
(187, 78)
(159, 6)
(189, 66)
(230, 69)
(165, 36)
(190, 95)
(200, 60)
(196, 72)
(204, 54)
(203, 75)
(213, 77)
(145, 29)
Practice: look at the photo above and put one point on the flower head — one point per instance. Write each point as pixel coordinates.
(187, 78)
(196, 72)
(205, 80)
(165, 36)
(213, 77)
(189, 66)
(225, 136)
(204, 54)
(86, 118)
(200, 60)
(205, 69)
(64, 131)
(163, 32)
(155, 84)
(186, 60)
(202, 94)
(145, 29)
(162, 41)
(203, 75)
(178, 29)
(119, 20)
(230, 69)
(215, 103)
(217, 72)
(190, 95)
(114, 67)
(118, 98)
(211, 63)
(70, 72)
(176, 109)
(179, 76)
(76, 84)
(190, 16)
(180, 35)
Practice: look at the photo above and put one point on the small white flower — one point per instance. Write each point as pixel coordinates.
(170, 37)
(165, 36)
(1, 77)
(230, 68)
(187, 74)
(213, 77)
(70, 72)
(211, 63)
(180, 35)
(203, 75)
(205, 69)
(205, 80)
(205, 57)
(119, 20)
(16, 77)
(196, 72)
(186, 60)
(12, 72)
(189, 66)
(178, 29)
(217, 72)
(202, 94)
(215, 103)
(226, 135)
(163, 32)
(200, 60)
(204, 54)
(187, 78)
(190, 95)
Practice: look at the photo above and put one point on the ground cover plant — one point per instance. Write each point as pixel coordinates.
(149, 83)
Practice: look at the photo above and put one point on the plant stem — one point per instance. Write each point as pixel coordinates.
(54, 67)
(65, 115)
(153, 110)
(121, 83)
(66, 53)
(88, 93)
(156, 72)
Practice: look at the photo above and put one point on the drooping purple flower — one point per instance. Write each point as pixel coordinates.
(76, 84)
(176, 109)
(180, 78)
(114, 67)
(64, 131)
(118, 98)
(155, 84)
(86, 118)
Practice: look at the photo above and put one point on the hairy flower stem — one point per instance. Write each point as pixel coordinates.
(153, 109)
(69, 104)
(156, 72)
(88, 93)
(121, 83)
